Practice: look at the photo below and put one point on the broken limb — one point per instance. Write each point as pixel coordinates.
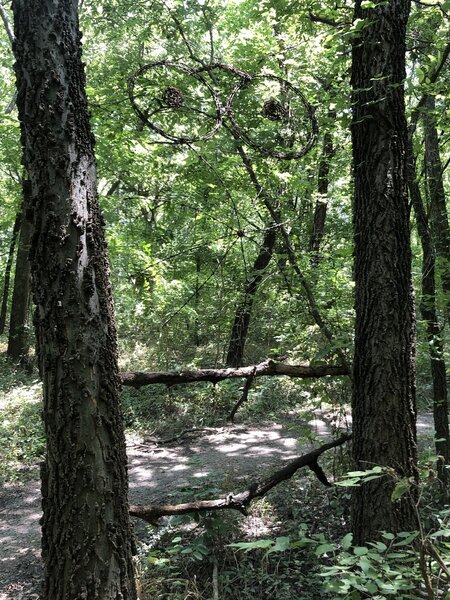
(152, 512)
(268, 367)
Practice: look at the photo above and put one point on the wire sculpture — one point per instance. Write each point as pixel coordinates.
(265, 112)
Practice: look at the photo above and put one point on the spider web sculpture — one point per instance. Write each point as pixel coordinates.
(183, 105)
(176, 102)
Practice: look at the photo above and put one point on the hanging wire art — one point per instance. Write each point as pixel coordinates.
(184, 105)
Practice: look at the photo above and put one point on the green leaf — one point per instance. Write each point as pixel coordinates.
(324, 549)
(348, 482)
(400, 489)
(408, 538)
(247, 546)
(441, 533)
(347, 541)
(360, 550)
(281, 544)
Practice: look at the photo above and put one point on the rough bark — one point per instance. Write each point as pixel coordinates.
(383, 400)
(269, 367)
(438, 210)
(8, 269)
(238, 338)
(86, 537)
(240, 501)
(18, 339)
(429, 315)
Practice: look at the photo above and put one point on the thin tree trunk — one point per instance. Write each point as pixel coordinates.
(86, 537)
(323, 182)
(384, 383)
(238, 338)
(429, 315)
(307, 289)
(9, 263)
(438, 210)
(18, 339)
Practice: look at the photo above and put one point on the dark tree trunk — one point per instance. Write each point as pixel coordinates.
(86, 537)
(9, 263)
(238, 338)
(18, 339)
(384, 388)
(438, 210)
(323, 181)
(429, 315)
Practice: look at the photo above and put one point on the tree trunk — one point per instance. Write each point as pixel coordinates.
(429, 315)
(7, 279)
(383, 388)
(438, 210)
(238, 338)
(86, 537)
(18, 343)
(323, 181)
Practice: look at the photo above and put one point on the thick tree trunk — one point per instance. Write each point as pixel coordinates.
(86, 537)
(429, 315)
(384, 388)
(238, 338)
(18, 339)
(9, 263)
(438, 208)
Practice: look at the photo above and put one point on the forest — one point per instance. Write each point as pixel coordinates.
(224, 299)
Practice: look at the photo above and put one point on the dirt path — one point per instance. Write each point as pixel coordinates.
(156, 473)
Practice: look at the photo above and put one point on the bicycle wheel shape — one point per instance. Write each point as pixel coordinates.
(273, 117)
(175, 102)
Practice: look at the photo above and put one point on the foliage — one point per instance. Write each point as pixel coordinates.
(22, 442)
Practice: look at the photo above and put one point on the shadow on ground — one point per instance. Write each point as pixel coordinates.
(228, 458)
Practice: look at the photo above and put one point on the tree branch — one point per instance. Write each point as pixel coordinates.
(268, 367)
(152, 512)
(243, 398)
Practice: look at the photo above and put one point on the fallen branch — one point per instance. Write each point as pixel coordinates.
(152, 512)
(268, 367)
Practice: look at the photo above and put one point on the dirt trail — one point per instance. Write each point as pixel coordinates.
(156, 473)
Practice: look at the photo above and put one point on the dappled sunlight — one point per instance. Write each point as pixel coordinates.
(229, 457)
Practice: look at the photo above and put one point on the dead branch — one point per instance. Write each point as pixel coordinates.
(268, 367)
(152, 512)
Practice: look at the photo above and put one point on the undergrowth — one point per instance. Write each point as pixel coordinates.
(22, 442)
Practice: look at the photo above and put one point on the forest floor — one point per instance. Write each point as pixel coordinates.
(218, 457)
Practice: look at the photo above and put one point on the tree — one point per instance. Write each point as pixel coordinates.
(384, 384)
(86, 539)
(9, 264)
